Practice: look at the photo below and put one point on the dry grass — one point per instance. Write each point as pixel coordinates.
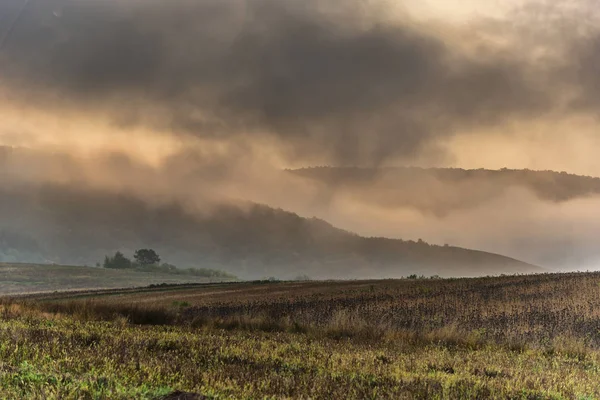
(516, 310)
(529, 337)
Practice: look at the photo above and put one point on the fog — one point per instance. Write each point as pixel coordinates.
(202, 103)
(515, 222)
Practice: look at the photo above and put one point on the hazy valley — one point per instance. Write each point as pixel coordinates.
(243, 199)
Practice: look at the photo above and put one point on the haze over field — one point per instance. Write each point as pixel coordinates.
(198, 107)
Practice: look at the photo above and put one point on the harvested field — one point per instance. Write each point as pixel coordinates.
(522, 337)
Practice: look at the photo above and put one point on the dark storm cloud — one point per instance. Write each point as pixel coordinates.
(343, 84)
(586, 74)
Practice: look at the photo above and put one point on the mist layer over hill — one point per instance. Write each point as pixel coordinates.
(440, 191)
(544, 217)
(200, 105)
(69, 226)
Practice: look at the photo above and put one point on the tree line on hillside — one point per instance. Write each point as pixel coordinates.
(148, 260)
(547, 185)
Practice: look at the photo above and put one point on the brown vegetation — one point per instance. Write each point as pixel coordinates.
(533, 310)
(525, 337)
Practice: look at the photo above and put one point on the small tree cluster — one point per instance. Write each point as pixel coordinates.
(118, 261)
(143, 258)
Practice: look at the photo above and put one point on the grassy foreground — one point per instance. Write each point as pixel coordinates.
(310, 340)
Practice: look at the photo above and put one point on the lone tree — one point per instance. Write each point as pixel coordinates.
(145, 257)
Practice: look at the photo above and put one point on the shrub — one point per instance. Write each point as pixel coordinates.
(118, 261)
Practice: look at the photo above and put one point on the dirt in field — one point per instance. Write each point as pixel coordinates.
(183, 396)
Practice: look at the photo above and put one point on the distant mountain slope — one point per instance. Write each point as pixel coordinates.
(441, 190)
(79, 226)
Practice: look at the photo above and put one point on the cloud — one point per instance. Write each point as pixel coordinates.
(343, 84)
(196, 100)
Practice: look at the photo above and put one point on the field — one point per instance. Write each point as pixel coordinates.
(522, 337)
(36, 278)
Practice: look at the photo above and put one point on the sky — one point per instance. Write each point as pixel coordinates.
(360, 82)
(118, 93)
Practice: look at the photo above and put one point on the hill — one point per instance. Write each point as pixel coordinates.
(443, 190)
(67, 225)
